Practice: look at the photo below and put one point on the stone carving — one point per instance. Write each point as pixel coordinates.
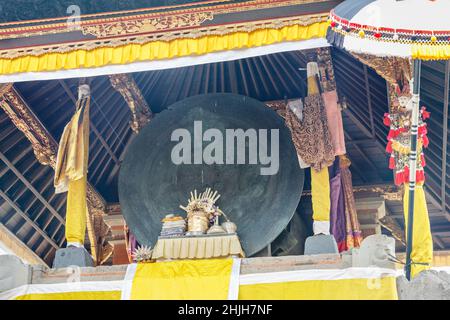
(376, 250)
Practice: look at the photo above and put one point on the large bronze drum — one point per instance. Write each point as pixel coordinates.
(153, 182)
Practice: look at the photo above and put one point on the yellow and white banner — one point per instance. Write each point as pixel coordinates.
(90, 290)
(220, 279)
(322, 284)
(206, 279)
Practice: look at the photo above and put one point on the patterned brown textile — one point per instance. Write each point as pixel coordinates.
(311, 136)
(353, 229)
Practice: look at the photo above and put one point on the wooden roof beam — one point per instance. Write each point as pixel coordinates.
(18, 247)
(444, 140)
(140, 110)
(28, 220)
(36, 193)
(369, 101)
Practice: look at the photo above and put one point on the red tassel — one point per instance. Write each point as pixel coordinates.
(400, 178)
(389, 147)
(387, 120)
(422, 159)
(425, 114)
(425, 141)
(406, 174)
(391, 135)
(422, 130)
(420, 176)
(391, 162)
(397, 179)
(399, 131)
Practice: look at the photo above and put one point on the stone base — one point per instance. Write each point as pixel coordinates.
(320, 244)
(13, 272)
(72, 256)
(427, 285)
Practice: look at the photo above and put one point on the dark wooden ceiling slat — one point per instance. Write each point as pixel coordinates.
(289, 72)
(31, 187)
(120, 123)
(188, 84)
(24, 216)
(244, 79)
(268, 72)
(92, 126)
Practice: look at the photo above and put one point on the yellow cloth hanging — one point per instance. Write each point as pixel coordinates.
(313, 86)
(82, 295)
(422, 248)
(320, 194)
(206, 279)
(217, 246)
(71, 171)
(84, 290)
(320, 180)
(430, 51)
(76, 212)
(158, 50)
(341, 289)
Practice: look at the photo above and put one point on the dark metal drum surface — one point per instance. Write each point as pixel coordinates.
(151, 185)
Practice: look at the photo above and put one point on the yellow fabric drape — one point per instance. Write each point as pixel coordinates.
(75, 295)
(320, 181)
(422, 248)
(70, 290)
(72, 158)
(213, 279)
(313, 86)
(198, 247)
(206, 279)
(71, 171)
(344, 289)
(320, 194)
(76, 211)
(157, 50)
(431, 51)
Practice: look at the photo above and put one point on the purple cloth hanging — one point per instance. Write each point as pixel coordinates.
(337, 209)
(131, 243)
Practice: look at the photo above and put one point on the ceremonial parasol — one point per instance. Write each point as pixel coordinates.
(415, 29)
